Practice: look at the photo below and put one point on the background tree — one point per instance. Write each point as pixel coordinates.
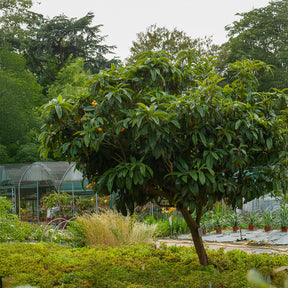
(261, 34)
(165, 130)
(16, 22)
(71, 80)
(19, 95)
(59, 40)
(162, 39)
(50, 44)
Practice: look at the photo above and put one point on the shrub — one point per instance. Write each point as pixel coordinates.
(11, 228)
(46, 265)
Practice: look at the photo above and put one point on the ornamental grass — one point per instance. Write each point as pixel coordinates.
(109, 228)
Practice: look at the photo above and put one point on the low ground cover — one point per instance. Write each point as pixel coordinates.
(105, 251)
(48, 265)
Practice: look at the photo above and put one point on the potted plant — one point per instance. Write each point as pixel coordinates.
(283, 213)
(235, 221)
(204, 226)
(251, 221)
(267, 219)
(218, 221)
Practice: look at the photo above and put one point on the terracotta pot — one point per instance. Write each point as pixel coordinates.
(235, 228)
(218, 230)
(251, 227)
(284, 229)
(204, 231)
(267, 228)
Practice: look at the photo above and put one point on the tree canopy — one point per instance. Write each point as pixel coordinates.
(19, 95)
(261, 34)
(59, 40)
(162, 129)
(48, 45)
(171, 41)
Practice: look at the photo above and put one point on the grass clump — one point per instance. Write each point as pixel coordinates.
(109, 228)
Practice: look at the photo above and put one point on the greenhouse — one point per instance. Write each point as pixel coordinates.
(26, 184)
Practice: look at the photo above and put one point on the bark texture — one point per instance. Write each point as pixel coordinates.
(197, 239)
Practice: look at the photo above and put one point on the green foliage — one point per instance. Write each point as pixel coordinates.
(47, 265)
(267, 219)
(19, 95)
(162, 129)
(179, 226)
(261, 35)
(283, 215)
(14, 13)
(70, 80)
(234, 219)
(11, 228)
(55, 199)
(129, 137)
(252, 218)
(57, 41)
(162, 39)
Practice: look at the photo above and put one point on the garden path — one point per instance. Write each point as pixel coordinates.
(254, 242)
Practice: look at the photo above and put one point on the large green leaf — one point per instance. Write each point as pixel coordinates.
(202, 177)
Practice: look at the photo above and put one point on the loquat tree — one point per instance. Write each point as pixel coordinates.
(162, 129)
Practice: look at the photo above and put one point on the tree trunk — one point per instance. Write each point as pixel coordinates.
(197, 239)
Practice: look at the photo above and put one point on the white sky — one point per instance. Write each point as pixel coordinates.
(123, 19)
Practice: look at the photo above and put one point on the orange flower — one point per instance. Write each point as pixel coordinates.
(89, 186)
(99, 129)
(122, 129)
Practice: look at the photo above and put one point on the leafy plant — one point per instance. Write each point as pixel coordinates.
(234, 219)
(267, 219)
(84, 204)
(251, 218)
(12, 229)
(54, 199)
(283, 215)
(217, 220)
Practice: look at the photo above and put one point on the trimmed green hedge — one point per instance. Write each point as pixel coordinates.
(48, 265)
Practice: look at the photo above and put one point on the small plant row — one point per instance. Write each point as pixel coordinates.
(264, 220)
(172, 223)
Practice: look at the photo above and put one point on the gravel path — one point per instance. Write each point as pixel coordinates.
(252, 241)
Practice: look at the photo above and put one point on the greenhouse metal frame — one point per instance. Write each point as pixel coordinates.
(26, 184)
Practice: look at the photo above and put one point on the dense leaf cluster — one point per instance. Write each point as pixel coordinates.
(163, 129)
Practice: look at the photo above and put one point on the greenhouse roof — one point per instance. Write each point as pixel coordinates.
(55, 172)
(10, 174)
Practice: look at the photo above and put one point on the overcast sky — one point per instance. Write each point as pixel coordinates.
(121, 20)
